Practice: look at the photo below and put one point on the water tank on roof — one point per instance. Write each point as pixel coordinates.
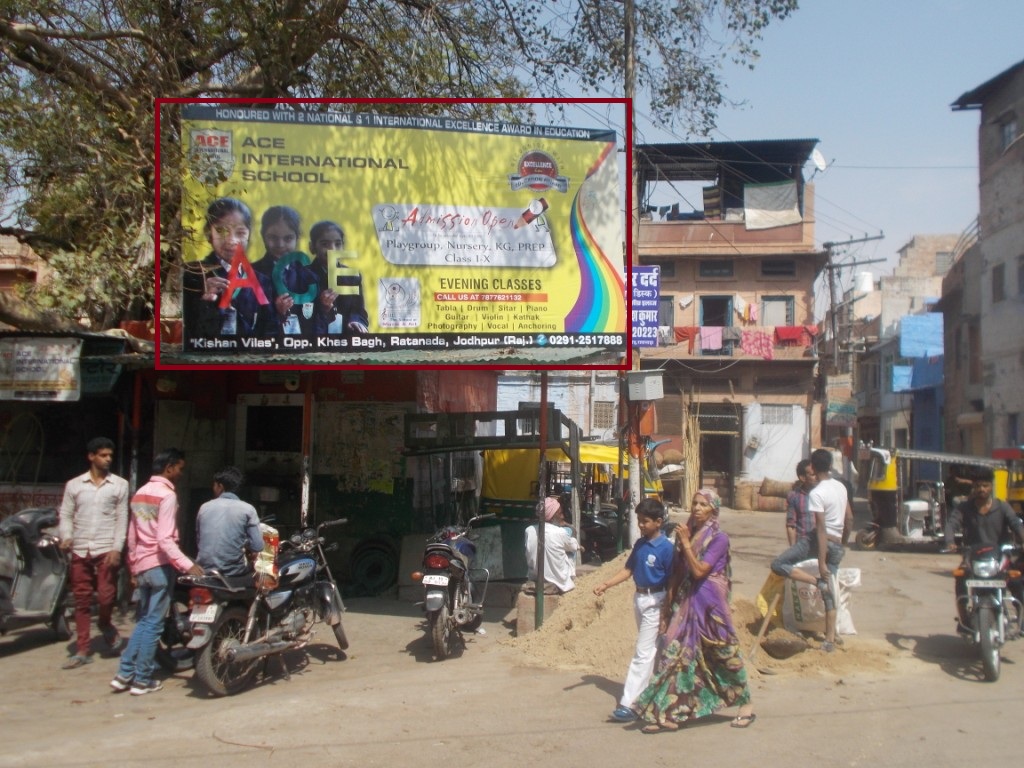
(864, 282)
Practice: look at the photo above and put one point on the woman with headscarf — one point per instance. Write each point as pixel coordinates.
(699, 669)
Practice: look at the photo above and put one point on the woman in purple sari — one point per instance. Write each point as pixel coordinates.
(698, 670)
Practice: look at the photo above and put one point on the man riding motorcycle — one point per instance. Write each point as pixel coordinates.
(227, 528)
(985, 521)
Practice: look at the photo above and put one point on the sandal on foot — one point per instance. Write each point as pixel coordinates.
(76, 661)
(659, 727)
(743, 721)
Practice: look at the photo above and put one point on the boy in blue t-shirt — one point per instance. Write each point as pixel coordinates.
(650, 564)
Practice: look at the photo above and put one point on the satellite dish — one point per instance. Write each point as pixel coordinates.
(818, 159)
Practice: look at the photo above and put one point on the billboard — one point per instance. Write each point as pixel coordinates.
(349, 232)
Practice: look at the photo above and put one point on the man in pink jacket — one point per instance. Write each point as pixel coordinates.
(154, 559)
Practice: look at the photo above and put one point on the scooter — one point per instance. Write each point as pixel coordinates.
(991, 603)
(34, 573)
(453, 590)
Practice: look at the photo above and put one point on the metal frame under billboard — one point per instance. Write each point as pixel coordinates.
(355, 232)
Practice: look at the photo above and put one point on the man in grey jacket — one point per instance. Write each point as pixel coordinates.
(227, 527)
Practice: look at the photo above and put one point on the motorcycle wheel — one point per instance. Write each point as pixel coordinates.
(339, 635)
(441, 633)
(867, 538)
(989, 642)
(215, 672)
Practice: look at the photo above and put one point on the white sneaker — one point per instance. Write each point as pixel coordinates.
(142, 689)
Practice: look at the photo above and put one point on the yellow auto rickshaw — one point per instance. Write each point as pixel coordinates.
(909, 492)
(1014, 458)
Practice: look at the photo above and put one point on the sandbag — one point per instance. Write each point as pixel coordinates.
(777, 488)
(803, 608)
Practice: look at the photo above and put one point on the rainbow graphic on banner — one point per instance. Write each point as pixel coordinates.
(601, 305)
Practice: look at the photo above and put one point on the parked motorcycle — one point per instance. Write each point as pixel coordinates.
(992, 603)
(34, 573)
(599, 534)
(453, 590)
(236, 622)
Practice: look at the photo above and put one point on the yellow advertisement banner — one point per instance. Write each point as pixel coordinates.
(356, 232)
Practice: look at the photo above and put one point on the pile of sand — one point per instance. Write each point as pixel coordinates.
(596, 635)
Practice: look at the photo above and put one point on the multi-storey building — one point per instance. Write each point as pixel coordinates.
(992, 279)
(731, 228)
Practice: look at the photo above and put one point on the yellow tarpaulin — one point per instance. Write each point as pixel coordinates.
(512, 473)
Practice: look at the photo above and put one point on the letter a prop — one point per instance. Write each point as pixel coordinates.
(241, 275)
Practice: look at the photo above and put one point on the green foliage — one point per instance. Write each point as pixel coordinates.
(78, 80)
(680, 47)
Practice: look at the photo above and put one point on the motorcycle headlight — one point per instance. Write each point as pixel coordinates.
(985, 569)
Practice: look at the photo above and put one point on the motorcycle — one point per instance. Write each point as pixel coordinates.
(453, 593)
(34, 573)
(992, 602)
(599, 534)
(237, 621)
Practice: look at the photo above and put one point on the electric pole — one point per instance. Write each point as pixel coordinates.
(833, 304)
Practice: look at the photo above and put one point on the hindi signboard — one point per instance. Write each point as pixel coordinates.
(334, 231)
(646, 295)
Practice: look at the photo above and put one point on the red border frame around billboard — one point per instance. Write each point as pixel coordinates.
(624, 366)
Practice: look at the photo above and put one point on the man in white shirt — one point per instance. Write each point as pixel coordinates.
(93, 523)
(560, 549)
(831, 505)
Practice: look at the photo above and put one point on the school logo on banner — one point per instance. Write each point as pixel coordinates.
(538, 171)
(211, 158)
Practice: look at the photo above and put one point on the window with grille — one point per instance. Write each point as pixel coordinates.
(604, 414)
(776, 414)
(716, 268)
(998, 282)
(778, 268)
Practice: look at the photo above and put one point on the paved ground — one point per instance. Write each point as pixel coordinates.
(388, 704)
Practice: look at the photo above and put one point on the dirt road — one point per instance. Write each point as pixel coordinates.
(387, 704)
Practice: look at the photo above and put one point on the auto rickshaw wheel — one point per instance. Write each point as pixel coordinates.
(867, 538)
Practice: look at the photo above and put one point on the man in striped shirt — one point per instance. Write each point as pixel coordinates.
(93, 519)
(800, 523)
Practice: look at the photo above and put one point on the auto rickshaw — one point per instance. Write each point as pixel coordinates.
(908, 496)
(1014, 458)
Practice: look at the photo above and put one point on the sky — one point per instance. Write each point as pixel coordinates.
(872, 80)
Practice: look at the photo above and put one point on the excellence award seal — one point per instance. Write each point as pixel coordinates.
(538, 171)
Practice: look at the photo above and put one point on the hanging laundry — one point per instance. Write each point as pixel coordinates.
(711, 338)
(739, 306)
(758, 344)
(754, 314)
(791, 335)
(687, 334)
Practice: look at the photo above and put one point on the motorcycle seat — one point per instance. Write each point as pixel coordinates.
(213, 579)
(448, 551)
(28, 524)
